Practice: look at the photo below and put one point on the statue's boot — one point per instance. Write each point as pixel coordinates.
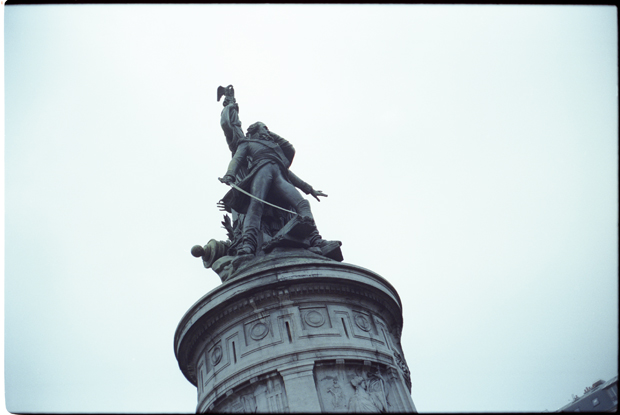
(330, 249)
(250, 241)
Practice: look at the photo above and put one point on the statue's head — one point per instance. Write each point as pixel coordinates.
(257, 129)
(358, 380)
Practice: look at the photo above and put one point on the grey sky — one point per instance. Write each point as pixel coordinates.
(469, 152)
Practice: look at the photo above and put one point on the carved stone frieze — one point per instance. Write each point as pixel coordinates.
(260, 395)
(362, 323)
(402, 365)
(358, 387)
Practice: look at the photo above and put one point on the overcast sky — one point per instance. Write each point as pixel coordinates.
(469, 153)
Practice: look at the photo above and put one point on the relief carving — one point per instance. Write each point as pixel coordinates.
(314, 319)
(378, 389)
(338, 398)
(266, 395)
(216, 355)
(362, 322)
(355, 388)
(362, 401)
(272, 396)
(402, 365)
(213, 357)
(258, 331)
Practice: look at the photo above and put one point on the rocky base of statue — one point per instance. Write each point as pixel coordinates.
(298, 238)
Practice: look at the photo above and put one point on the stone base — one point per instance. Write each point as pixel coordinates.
(229, 267)
(296, 332)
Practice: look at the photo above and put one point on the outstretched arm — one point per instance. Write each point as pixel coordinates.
(304, 187)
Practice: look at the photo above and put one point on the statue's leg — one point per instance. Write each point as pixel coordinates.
(260, 188)
(291, 195)
(318, 245)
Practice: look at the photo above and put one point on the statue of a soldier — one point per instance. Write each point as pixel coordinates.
(268, 212)
(264, 195)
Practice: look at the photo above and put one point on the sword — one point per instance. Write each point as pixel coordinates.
(234, 186)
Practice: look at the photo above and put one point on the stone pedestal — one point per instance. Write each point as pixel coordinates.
(297, 333)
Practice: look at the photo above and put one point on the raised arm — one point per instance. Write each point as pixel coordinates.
(229, 120)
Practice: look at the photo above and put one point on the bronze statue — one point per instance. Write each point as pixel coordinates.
(259, 170)
(268, 211)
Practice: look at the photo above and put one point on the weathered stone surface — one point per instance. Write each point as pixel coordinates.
(296, 332)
